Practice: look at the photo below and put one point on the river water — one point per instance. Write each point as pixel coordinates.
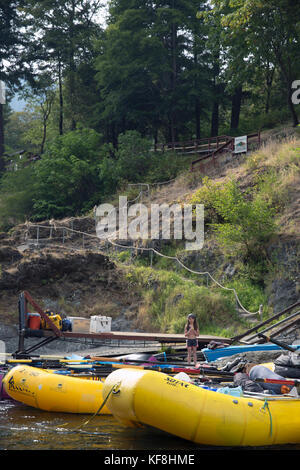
(23, 428)
(26, 428)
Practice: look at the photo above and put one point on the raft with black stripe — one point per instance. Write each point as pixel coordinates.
(201, 415)
(43, 389)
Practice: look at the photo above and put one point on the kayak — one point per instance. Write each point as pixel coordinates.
(46, 390)
(212, 355)
(201, 415)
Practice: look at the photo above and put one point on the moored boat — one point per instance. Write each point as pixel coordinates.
(43, 389)
(218, 353)
(199, 414)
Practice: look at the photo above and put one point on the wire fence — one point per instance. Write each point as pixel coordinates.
(68, 232)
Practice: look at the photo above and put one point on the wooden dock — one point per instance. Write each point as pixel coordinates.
(143, 336)
(51, 333)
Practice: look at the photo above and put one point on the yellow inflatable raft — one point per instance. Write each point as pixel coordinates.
(203, 416)
(47, 391)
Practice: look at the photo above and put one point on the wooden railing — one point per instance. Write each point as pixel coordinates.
(206, 145)
(228, 145)
(253, 140)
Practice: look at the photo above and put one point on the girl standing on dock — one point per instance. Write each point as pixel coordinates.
(191, 332)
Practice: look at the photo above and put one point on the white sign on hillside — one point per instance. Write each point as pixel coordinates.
(241, 144)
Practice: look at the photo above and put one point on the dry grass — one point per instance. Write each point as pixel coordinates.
(275, 160)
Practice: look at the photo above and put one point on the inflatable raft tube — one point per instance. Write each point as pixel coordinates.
(3, 394)
(43, 389)
(199, 415)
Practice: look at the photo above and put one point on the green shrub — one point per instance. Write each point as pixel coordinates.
(169, 298)
(66, 178)
(133, 156)
(250, 295)
(16, 196)
(245, 220)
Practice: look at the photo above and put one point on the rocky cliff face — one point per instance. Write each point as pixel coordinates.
(63, 277)
(284, 285)
(66, 277)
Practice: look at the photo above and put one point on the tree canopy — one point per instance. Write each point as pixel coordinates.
(121, 76)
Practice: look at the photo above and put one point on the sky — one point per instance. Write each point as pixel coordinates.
(17, 103)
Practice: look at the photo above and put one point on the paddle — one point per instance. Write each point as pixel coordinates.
(278, 343)
(174, 370)
(104, 366)
(286, 384)
(292, 382)
(138, 361)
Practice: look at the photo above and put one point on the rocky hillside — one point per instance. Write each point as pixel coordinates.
(64, 277)
(64, 267)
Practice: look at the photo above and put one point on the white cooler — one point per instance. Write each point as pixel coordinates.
(100, 324)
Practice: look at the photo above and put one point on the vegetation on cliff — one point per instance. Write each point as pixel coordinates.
(100, 98)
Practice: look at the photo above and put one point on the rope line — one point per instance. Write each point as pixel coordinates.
(174, 258)
(266, 406)
(112, 390)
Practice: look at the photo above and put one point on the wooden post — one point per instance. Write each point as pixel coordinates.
(261, 311)
(22, 320)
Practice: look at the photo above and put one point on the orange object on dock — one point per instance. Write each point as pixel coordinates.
(34, 321)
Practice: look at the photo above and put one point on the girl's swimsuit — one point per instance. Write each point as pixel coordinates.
(191, 343)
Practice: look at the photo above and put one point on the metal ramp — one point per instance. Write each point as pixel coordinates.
(271, 328)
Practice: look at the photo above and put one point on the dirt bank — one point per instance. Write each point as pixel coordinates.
(65, 278)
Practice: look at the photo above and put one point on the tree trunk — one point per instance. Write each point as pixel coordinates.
(268, 98)
(44, 138)
(215, 120)
(197, 119)
(172, 128)
(236, 107)
(114, 135)
(216, 91)
(2, 162)
(173, 117)
(72, 100)
(72, 68)
(269, 82)
(61, 101)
